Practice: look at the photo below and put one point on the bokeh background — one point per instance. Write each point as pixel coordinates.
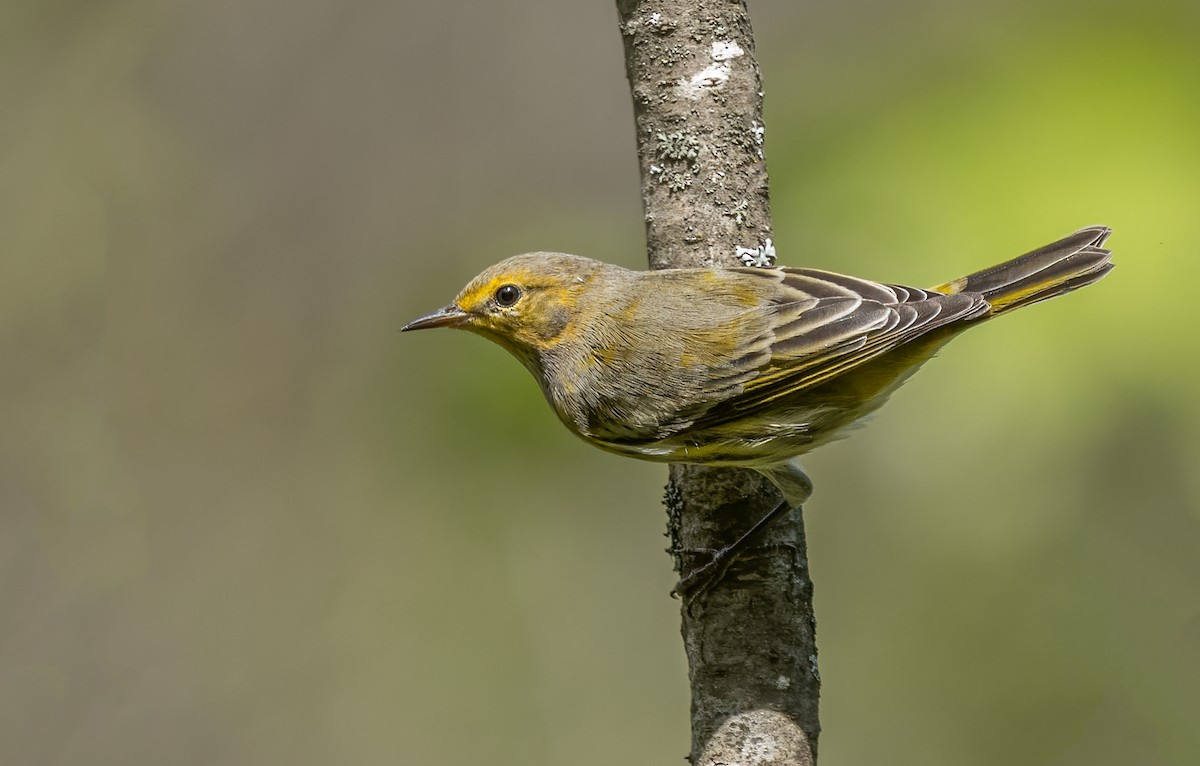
(244, 521)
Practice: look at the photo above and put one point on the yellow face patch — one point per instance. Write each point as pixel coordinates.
(477, 295)
(523, 310)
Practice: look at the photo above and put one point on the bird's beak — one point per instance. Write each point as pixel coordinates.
(450, 316)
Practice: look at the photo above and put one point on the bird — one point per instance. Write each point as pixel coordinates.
(743, 366)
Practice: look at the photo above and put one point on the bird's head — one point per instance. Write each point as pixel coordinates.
(528, 303)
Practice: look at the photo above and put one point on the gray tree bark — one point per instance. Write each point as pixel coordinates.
(750, 641)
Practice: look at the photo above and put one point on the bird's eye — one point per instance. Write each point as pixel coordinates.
(507, 295)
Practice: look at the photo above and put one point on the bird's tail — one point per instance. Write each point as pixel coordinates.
(1052, 270)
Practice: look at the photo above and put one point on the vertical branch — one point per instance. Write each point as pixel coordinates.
(750, 641)
(697, 100)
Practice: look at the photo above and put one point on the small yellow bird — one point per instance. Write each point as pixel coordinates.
(746, 367)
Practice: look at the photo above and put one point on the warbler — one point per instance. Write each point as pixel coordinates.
(739, 366)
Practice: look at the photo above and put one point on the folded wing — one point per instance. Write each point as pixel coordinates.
(827, 324)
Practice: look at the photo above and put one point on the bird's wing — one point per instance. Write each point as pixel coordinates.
(827, 324)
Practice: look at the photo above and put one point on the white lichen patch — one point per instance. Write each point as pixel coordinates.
(761, 257)
(658, 25)
(713, 76)
(723, 50)
(710, 77)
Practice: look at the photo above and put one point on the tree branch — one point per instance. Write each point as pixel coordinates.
(750, 641)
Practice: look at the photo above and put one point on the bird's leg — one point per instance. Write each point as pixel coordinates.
(701, 579)
(793, 482)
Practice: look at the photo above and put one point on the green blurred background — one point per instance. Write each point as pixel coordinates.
(244, 521)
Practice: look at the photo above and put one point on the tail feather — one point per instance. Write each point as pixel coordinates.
(1057, 268)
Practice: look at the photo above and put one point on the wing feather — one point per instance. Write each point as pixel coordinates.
(805, 327)
(842, 322)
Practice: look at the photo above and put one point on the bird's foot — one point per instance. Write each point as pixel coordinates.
(701, 579)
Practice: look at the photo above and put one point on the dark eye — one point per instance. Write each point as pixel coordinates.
(507, 295)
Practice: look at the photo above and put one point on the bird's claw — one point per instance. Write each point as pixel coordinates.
(701, 579)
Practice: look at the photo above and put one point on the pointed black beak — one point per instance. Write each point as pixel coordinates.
(450, 316)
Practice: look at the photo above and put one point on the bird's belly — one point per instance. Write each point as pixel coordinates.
(792, 426)
(752, 441)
